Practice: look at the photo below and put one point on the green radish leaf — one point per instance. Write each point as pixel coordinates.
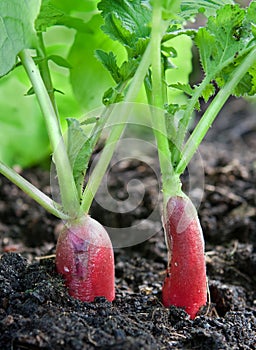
(109, 62)
(79, 151)
(246, 86)
(224, 42)
(74, 23)
(77, 6)
(60, 61)
(16, 30)
(190, 8)
(54, 13)
(183, 87)
(128, 69)
(49, 16)
(251, 17)
(127, 22)
(89, 78)
(24, 139)
(119, 74)
(224, 38)
(208, 92)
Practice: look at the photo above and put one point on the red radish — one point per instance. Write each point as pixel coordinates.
(85, 258)
(185, 284)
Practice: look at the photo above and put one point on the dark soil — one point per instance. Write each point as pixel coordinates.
(36, 311)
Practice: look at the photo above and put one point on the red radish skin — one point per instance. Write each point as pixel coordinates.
(186, 283)
(85, 258)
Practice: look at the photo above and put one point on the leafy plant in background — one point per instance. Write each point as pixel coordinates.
(140, 50)
(68, 33)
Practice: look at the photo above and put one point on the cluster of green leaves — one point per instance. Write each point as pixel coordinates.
(223, 43)
(99, 44)
(190, 8)
(20, 118)
(72, 33)
(127, 22)
(17, 30)
(229, 32)
(71, 37)
(17, 119)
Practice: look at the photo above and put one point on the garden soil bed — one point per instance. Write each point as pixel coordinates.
(36, 311)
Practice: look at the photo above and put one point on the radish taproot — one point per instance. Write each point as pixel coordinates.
(84, 257)
(185, 284)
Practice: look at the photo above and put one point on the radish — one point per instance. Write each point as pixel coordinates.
(143, 28)
(185, 284)
(84, 257)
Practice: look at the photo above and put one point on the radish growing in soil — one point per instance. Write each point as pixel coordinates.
(185, 283)
(145, 29)
(222, 51)
(84, 254)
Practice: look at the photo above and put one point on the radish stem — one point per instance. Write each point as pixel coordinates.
(41, 198)
(212, 111)
(68, 191)
(184, 123)
(170, 182)
(45, 73)
(116, 132)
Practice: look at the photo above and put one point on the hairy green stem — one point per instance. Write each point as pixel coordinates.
(96, 131)
(212, 111)
(45, 73)
(188, 113)
(68, 191)
(184, 123)
(41, 198)
(117, 120)
(170, 182)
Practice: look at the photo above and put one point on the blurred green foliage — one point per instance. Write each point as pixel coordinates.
(74, 35)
